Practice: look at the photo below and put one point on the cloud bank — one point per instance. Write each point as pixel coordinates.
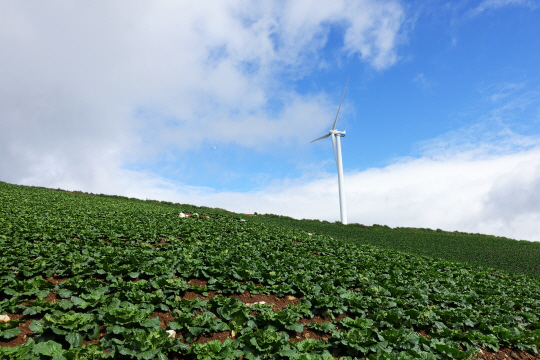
(89, 86)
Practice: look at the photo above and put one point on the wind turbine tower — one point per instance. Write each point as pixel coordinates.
(336, 142)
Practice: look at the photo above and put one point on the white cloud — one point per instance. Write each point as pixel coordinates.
(425, 83)
(256, 128)
(88, 83)
(496, 196)
(486, 5)
(502, 91)
(376, 36)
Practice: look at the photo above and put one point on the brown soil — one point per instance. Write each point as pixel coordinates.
(312, 333)
(164, 318)
(52, 297)
(55, 279)
(190, 295)
(507, 354)
(318, 319)
(24, 327)
(163, 241)
(198, 282)
(221, 336)
(278, 303)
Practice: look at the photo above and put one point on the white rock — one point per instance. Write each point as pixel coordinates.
(182, 215)
(309, 234)
(242, 220)
(4, 318)
(172, 333)
(255, 303)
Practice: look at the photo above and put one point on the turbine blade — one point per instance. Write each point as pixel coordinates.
(322, 137)
(335, 121)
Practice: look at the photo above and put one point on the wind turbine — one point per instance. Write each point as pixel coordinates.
(336, 136)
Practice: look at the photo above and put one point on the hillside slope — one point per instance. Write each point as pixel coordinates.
(104, 277)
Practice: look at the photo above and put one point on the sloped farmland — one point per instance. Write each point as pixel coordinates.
(97, 277)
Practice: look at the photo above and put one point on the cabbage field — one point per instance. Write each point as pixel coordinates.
(105, 277)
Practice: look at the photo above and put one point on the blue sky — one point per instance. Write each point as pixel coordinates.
(216, 104)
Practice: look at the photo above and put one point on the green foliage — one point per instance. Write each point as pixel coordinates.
(145, 345)
(49, 348)
(236, 314)
(307, 349)
(279, 320)
(324, 327)
(72, 326)
(126, 260)
(263, 344)
(476, 249)
(215, 349)
(10, 329)
(195, 326)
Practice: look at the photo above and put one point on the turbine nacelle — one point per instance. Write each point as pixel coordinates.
(331, 132)
(340, 133)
